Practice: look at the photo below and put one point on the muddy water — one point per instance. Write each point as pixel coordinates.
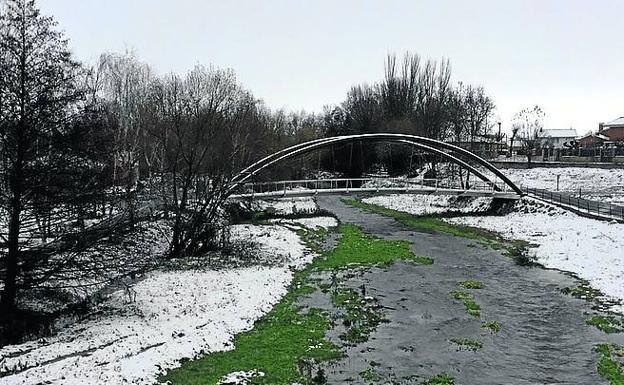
(543, 337)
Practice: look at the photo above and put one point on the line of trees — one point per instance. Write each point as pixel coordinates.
(415, 97)
(110, 144)
(89, 152)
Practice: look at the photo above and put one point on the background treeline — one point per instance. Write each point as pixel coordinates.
(92, 153)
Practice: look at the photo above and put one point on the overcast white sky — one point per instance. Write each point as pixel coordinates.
(565, 55)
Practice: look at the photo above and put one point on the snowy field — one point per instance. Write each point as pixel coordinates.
(595, 183)
(592, 249)
(286, 206)
(135, 335)
(430, 204)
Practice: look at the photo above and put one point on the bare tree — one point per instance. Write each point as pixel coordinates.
(529, 122)
(479, 110)
(122, 87)
(207, 122)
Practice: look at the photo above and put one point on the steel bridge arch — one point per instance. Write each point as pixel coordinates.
(427, 144)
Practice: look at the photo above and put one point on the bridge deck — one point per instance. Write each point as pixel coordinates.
(300, 188)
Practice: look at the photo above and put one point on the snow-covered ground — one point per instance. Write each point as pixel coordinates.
(312, 223)
(592, 249)
(170, 315)
(286, 206)
(594, 183)
(430, 204)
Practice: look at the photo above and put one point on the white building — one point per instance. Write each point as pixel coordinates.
(556, 138)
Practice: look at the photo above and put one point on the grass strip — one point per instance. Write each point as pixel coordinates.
(515, 249)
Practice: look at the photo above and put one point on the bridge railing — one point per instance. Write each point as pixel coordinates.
(600, 209)
(366, 183)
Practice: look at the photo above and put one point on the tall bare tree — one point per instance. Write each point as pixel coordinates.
(529, 122)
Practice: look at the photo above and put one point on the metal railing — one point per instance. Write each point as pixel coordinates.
(379, 184)
(601, 209)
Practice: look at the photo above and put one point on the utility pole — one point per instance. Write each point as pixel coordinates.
(499, 139)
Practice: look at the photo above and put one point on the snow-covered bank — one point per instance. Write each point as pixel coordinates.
(430, 204)
(592, 249)
(594, 183)
(175, 315)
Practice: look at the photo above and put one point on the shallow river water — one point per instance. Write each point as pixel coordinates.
(543, 337)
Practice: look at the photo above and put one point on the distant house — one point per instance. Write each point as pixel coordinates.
(593, 140)
(557, 138)
(614, 129)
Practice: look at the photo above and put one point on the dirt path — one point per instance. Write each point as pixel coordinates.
(543, 337)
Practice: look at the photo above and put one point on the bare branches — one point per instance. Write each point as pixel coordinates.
(529, 124)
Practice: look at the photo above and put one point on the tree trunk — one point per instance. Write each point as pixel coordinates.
(9, 294)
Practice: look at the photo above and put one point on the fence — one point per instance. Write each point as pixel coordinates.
(368, 183)
(596, 208)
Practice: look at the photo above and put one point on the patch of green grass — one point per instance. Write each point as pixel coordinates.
(609, 368)
(357, 249)
(362, 315)
(493, 326)
(425, 222)
(440, 379)
(467, 343)
(471, 284)
(370, 375)
(472, 308)
(607, 324)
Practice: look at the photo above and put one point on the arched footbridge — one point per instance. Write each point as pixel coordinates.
(490, 181)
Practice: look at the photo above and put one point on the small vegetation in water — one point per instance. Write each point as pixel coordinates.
(607, 324)
(370, 375)
(470, 284)
(362, 315)
(467, 343)
(440, 379)
(609, 366)
(472, 308)
(493, 326)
